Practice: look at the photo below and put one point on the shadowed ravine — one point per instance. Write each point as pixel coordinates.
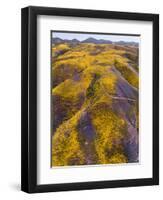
(87, 134)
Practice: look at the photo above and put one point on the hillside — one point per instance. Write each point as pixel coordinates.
(94, 103)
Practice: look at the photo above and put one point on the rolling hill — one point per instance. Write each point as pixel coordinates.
(94, 102)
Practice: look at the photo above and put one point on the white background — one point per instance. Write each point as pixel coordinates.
(10, 100)
(47, 175)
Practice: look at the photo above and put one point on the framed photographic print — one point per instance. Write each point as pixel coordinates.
(90, 99)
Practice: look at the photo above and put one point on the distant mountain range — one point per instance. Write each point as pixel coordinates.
(58, 40)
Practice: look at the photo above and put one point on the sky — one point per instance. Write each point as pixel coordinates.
(83, 36)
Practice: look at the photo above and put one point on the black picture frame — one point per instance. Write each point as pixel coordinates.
(29, 99)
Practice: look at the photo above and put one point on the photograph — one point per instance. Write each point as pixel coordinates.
(90, 99)
(94, 98)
